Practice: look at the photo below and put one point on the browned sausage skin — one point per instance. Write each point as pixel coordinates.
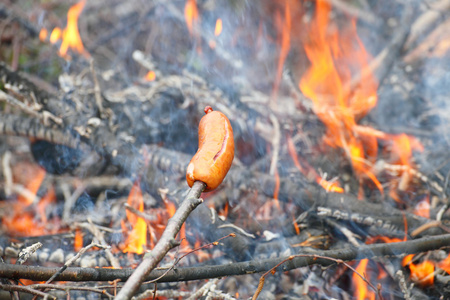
(215, 150)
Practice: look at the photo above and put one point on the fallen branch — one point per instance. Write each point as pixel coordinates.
(240, 268)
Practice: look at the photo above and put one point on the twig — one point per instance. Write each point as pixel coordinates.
(353, 10)
(275, 144)
(27, 252)
(402, 283)
(99, 235)
(138, 213)
(24, 289)
(68, 288)
(215, 243)
(73, 259)
(426, 21)
(166, 242)
(203, 291)
(7, 172)
(13, 101)
(97, 90)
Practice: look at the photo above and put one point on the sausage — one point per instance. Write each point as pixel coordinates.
(215, 150)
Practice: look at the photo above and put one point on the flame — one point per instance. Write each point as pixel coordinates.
(43, 34)
(71, 37)
(55, 35)
(335, 60)
(27, 217)
(445, 264)
(218, 28)
(35, 181)
(297, 229)
(191, 15)
(137, 238)
(384, 239)
(78, 241)
(421, 273)
(151, 76)
(361, 290)
(224, 212)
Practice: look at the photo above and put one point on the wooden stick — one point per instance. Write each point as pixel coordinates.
(166, 242)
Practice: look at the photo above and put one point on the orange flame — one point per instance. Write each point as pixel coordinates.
(421, 273)
(218, 28)
(26, 219)
(55, 35)
(137, 238)
(191, 15)
(78, 242)
(71, 36)
(445, 264)
(335, 60)
(361, 290)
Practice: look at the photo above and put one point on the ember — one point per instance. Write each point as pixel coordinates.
(336, 114)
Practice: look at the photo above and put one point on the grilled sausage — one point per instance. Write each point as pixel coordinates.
(215, 150)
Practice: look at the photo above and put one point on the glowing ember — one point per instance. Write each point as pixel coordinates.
(335, 59)
(137, 238)
(361, 290)
(151, 76)
(191, 15)
(218, 28)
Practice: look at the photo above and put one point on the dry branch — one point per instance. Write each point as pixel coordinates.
(240, 268)
(165, 244)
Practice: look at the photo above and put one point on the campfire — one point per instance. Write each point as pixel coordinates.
(224, 150)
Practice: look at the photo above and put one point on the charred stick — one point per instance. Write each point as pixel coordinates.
(34, 128)
(165, 244)
(241, 268)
